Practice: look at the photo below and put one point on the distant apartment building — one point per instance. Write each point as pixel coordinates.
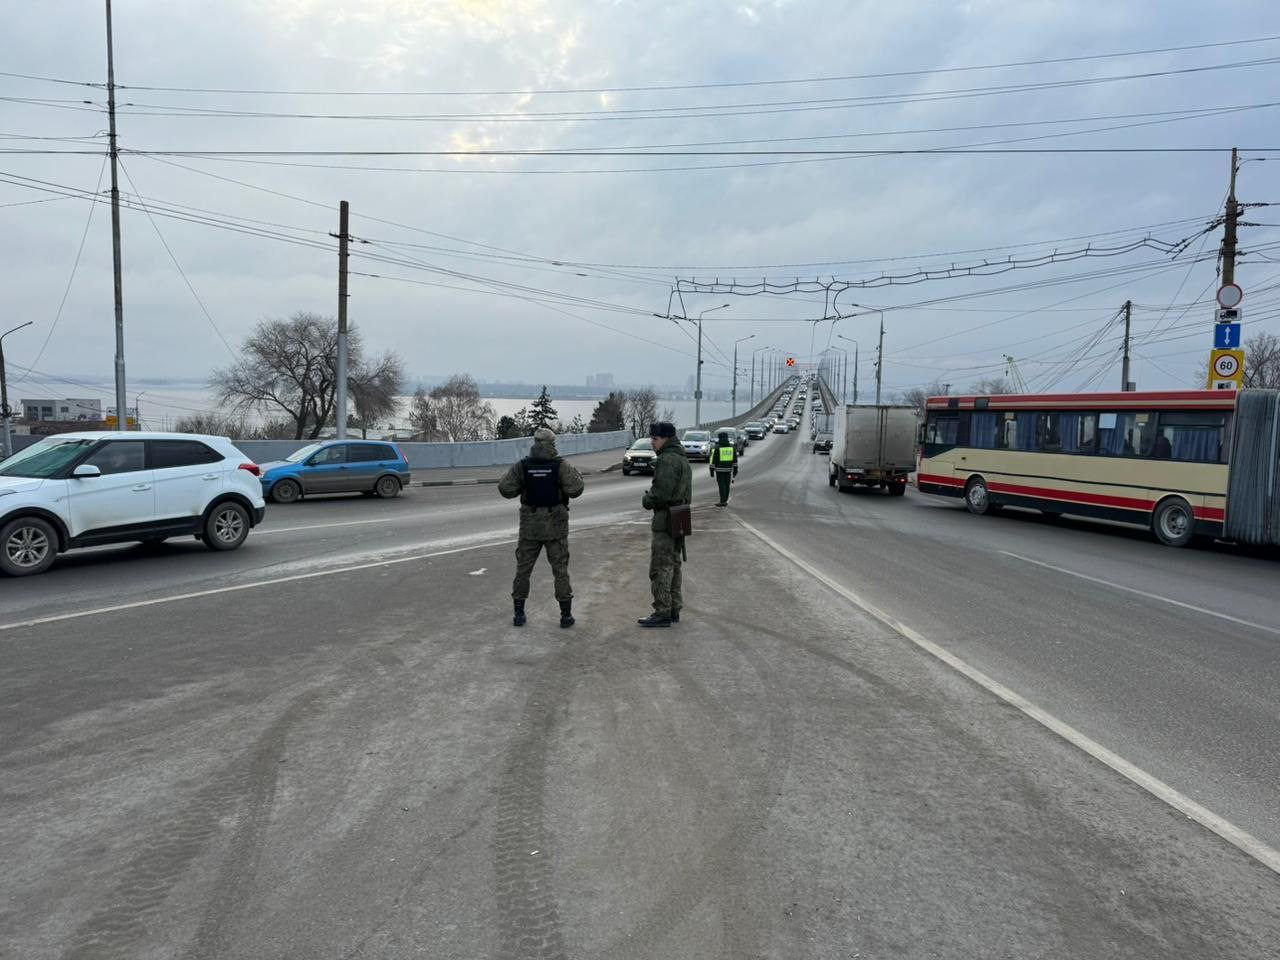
(601, 381)
(71, 408)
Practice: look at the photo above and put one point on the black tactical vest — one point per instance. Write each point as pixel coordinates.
(541, 483)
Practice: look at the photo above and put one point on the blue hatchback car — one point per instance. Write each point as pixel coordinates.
(371, 467)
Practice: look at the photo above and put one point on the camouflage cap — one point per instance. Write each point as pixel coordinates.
(544, 435)
(662, 428)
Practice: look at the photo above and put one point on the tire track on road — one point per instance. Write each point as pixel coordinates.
(145, 882)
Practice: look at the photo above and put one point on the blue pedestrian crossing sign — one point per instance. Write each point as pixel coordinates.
(1226, 336)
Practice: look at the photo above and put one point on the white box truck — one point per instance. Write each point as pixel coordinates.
(873, 446)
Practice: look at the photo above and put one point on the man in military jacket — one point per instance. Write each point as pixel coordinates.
(545, 484)
(672, 486)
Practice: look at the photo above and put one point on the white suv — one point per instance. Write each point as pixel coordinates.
(86, 489)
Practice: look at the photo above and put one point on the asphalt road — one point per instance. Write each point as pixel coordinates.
(332, 743)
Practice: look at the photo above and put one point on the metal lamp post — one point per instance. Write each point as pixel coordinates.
(733, 393)
(4, 390)
(697, 390)
(855, 363)
(753, 373)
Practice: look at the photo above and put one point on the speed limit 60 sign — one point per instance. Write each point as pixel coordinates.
(1226, 365)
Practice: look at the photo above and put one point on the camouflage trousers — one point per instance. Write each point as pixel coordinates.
(665, 575)
(527, 555)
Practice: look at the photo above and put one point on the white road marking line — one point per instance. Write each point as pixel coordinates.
(342, 523)
(1238, 838)
(477, 573)
(1142, 593)
(57, 618)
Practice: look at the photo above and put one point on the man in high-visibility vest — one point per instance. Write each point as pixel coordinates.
(724, 465)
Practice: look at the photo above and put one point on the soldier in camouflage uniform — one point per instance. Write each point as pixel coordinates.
(545, 484)
(672, 485)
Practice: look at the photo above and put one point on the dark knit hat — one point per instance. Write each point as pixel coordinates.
(662, 429)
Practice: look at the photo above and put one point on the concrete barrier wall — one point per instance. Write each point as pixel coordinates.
(755, 413)
(483, 453)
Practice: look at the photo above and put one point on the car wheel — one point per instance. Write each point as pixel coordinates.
(897, 489)
(226, 526)
(28, 546)
(626, 471)
(977, 498)
(286, 491)
(387, 487)
(1174, 522)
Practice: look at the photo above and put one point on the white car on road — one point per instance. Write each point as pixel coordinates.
(87, 489)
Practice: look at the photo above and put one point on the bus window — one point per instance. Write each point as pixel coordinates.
(1067, 432)
(982, 430)
(1126, 434)
(942, 429)
(1017, 431)
(1189, 436)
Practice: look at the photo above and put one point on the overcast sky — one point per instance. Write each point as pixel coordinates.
(551, 268)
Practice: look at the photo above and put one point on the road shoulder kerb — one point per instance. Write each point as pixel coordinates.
(1232, 834)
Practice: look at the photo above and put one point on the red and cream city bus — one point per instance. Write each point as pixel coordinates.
(1186, 463)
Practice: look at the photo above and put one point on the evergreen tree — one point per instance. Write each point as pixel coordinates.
(609, 414)
(507, 428)
(543, 413)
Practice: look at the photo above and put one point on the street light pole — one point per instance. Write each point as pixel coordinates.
(734, 392)
(697, 391)
(855, 363)
(137, 409)
(753, 373)
(4, 390)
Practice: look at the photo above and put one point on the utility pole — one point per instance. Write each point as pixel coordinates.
(1124, 366)
(880, 358)
(4, 391)
(341, 398)
(122, 421)
(1229, 234)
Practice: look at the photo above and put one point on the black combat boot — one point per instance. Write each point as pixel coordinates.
(566, 613)
(675, 616)
(655, 620)
(517, 618)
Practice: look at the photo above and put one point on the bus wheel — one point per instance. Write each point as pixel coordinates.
(976, 497)
(1173, 522)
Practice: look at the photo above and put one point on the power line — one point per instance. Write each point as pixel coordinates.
(75, 266)
(1082, 58)
(182, 273)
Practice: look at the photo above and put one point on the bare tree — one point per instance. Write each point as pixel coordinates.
(918, 396)
(993, 385)
(290, 368)
(374, 387)
(640, 408)
(215, 425)
(453, 411)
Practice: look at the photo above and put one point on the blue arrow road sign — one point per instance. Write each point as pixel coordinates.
(1226, 336)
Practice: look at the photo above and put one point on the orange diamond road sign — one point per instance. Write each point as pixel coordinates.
(791, 361)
